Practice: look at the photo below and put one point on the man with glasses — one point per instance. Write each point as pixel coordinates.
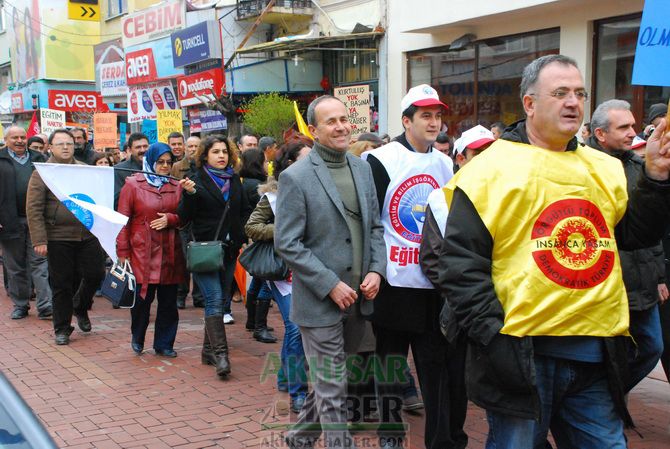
(76, 260)
(138, 144)
(530, 269)
(25, 268)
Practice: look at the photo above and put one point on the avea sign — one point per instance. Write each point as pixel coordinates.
(76, 101)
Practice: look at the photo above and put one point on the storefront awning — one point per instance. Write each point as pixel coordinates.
(314, 43)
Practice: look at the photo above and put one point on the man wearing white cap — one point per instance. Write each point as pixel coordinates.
(407, 308)
(471, 143)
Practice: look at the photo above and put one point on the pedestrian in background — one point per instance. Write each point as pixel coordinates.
(217, 189)
(150, 242)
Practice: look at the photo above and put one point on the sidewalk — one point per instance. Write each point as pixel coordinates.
(95, 393)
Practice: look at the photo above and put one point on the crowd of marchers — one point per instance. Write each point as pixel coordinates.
(522, 264)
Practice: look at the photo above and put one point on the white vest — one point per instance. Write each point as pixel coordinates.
(413, 177)
(438, 206)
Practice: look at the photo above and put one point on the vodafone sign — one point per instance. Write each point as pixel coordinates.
(76, 101)
(207, 84)
(140, 66)
(153, 23)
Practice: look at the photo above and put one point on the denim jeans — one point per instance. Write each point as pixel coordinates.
(259, 289)
(575, 404)
(215, 288)
(292, 353)
(645, 328)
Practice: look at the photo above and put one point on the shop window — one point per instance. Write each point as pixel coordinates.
(116, 7)
(616, 39)
(480, 83)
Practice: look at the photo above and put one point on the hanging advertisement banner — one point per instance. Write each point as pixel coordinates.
(161, 58)
(204, 119)
(113, 79)
(76, 101)
(140, 66)
(207, 84)
(196, 43)
(144, 100)
(153, 23)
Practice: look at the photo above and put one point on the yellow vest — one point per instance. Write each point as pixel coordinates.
(555, 265)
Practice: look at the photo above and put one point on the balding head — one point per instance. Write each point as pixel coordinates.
(15, 138)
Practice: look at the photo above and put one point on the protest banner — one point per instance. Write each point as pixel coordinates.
(169, 120)
(104, 130)
(51, 120)
(150, 130)
(356, 99)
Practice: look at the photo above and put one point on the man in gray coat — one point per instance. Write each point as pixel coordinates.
(328, 230)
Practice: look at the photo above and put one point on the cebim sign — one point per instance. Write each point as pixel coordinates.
(205, 84)
(153, 23)
(76, 101)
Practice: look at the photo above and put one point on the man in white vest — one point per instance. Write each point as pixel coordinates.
(407, 308)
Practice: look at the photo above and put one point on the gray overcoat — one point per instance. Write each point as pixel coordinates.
(312, 236)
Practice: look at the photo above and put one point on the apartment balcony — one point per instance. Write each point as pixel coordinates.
(283, 11)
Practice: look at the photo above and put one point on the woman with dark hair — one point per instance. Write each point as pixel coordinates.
(217, 197)
(103, 159)
(260, 227)
(150, 242)
(253, 174)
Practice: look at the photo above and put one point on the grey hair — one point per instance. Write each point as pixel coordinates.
(600, 118)
(311, 109)
(532, 71)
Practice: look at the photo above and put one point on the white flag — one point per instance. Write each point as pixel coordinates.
(88, 192)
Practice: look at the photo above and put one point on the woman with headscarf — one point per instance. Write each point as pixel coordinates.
(150, 241)
(217, 192)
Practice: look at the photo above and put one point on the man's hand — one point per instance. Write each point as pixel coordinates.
(657, 160)
(159, 223)
(370, 285)
(40, 250)
(343, 295)
(663, 293)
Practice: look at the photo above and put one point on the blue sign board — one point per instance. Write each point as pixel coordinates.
(196, 43)
(150, 129)
(652, 56)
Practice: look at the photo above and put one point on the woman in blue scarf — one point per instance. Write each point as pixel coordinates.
(217, 190)
(151, 243)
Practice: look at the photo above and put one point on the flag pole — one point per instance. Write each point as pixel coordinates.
(146, 172)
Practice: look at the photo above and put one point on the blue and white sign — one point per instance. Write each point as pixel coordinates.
(652, 55)
(196, 43)
(165, 68)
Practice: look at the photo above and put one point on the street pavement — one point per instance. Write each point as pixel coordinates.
(96, 393)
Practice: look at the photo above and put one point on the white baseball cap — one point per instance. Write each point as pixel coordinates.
(473, 138)
(421, 95)
(638, 142)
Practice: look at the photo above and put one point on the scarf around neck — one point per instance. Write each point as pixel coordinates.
(221, 178)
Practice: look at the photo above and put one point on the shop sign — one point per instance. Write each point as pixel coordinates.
(140, 66)
(162, 58)
(207, 84)
(113, 79)
(76, 101)
(144, 100)
(153, 23)
(17, 103)
(196, 43)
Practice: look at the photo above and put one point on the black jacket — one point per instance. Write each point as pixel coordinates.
(86, 155)
(205, 208)
(250, 186)
(500, 368)
(121, 175)
(9, 217)
(643, 269)
(402, 308)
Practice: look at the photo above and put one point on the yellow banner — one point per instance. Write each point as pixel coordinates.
(169, 120)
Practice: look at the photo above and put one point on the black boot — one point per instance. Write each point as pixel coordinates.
(261, 333)
(251, 311)
(216, 332)
(207, 356)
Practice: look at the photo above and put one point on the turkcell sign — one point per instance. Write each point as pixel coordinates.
(196, 43)
(207, 84)
(153, 23)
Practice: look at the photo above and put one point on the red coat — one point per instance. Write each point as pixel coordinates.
(156, 257)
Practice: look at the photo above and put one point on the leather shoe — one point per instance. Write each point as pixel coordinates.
(84, 322)
(62, 339)
(18, 314)
(46, 315)
(181, 303)
(138, 348)
(166, 352)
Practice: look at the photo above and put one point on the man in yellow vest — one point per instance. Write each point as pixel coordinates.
(531, 270)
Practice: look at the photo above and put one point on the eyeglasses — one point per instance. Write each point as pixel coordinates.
(159, 162)
(63, 145)
(562, 94)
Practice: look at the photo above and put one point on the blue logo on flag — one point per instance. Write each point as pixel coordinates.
(83, 215)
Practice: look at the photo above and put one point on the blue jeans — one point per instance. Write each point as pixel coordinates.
(215, 288)
(575, 404)
(645, 327)
(259, 289)
(292, 353)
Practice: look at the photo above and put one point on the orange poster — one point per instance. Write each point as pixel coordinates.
(104, 130)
